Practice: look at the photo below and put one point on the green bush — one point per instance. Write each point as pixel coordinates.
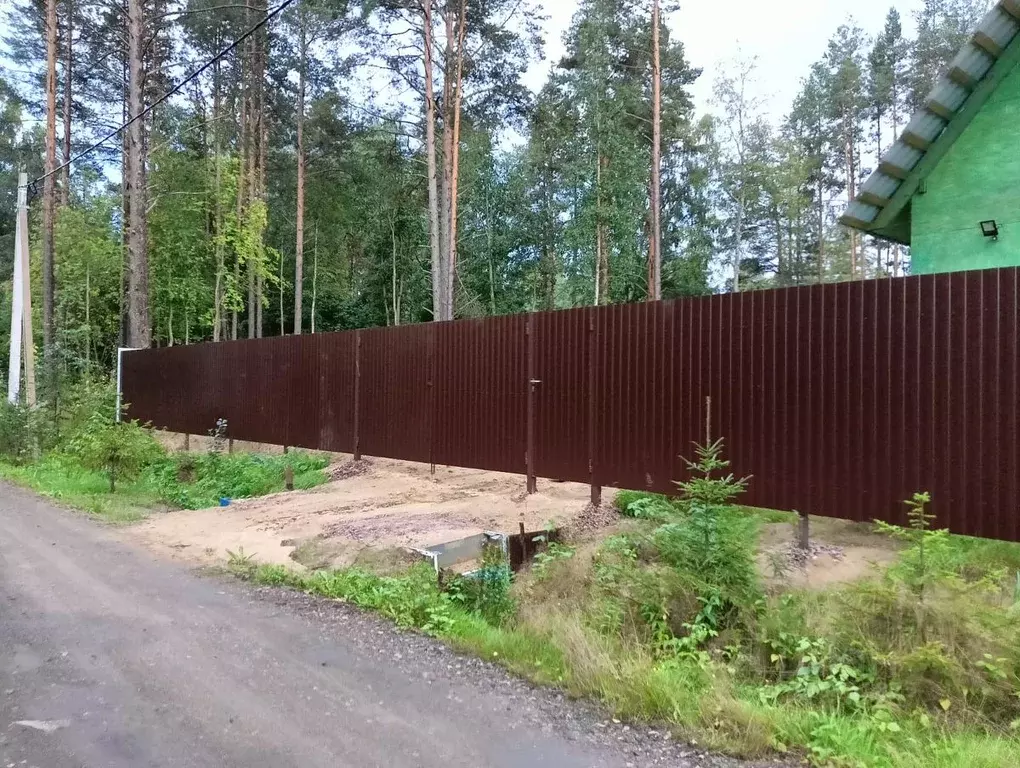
(487, 591)
(120, 450)
(15, 435)
(645, 506)
(195, 481)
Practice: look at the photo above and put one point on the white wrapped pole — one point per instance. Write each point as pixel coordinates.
(17, 299)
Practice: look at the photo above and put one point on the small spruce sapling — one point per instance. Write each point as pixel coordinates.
(925, 561)
(714, 541)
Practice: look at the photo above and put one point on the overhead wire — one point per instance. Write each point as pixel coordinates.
(176, 89)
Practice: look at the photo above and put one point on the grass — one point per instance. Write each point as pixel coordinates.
(60, 477)
(211, 476)
(582, 624)
(68, 483)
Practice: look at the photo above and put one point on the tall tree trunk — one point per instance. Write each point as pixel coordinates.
(315, 270)
(49, 188)
(882, 267)
(140, 333)
(821, 230)
(244, 151)
(446, 182)
(438, 273)
(548, 243)
(601, 239)
(655, 249)
(125, 205)
(738, 246)
(88, 316)
(396, 282)
(263, 125)
(849, 149)
(65, 185)
(455, 163)
(299, 217)
(218, 207)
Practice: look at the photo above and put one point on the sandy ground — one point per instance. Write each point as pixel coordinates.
(842, 552)
(393, 504)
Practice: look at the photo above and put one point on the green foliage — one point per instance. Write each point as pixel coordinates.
(62, 478)
(242, 564)
(929, 556)
(486, 591)
(553, 553)
(120, 450)
(644, 506)
(195, 481)
(714, 541)
(15, 434)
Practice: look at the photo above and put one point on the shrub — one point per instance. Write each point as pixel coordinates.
(15, 436)
(121, 450)
(194, 481)
(487, 591)
(645, 506)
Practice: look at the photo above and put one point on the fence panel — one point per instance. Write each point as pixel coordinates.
(336, 390)
(841, 400)
(634, 446)
(562, 362)
(481, 393)
(395, 403)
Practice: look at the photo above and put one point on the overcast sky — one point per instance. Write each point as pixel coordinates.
(787, 36)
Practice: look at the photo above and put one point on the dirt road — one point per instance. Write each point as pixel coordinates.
(110, 658)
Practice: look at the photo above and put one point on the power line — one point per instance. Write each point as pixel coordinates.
(248, 33)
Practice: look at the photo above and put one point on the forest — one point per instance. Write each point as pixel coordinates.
(352, 164)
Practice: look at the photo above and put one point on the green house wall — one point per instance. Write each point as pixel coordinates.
(978, 179)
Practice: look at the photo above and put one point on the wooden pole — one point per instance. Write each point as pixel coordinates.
(804, 531)
(28, 345)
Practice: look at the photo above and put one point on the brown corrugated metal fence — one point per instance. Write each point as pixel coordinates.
(840, 400)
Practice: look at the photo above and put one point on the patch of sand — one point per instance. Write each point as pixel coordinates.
(862, 553)
(392, 504)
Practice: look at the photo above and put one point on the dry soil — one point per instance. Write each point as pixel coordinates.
(391, 504)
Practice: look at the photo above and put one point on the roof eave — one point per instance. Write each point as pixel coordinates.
(891, 221)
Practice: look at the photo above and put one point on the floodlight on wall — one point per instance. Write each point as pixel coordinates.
(990, 229)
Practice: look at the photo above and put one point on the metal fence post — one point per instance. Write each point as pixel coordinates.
(596, 487)
(532, 383)
(120, 380)
(432, 398)
(357, 395)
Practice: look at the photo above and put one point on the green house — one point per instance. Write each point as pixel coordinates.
(950, 185)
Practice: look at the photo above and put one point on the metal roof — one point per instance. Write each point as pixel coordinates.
(882, 205)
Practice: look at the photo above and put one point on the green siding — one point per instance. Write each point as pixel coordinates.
(978, 179)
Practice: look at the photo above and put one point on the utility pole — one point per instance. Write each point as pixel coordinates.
(21, 307)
